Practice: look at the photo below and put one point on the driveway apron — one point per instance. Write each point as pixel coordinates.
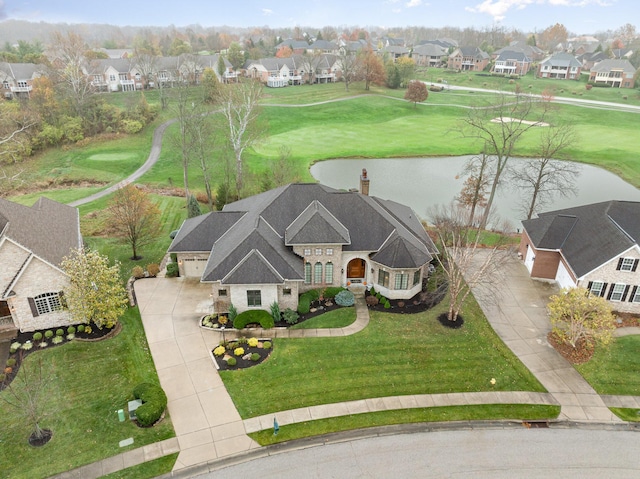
(519, 316)
(206, 422)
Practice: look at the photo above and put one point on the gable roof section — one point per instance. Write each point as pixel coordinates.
(613, 64)
(48, 229)
(588, 236)
(255, 266)
(316, 225)
(200, 233)
(562, 59)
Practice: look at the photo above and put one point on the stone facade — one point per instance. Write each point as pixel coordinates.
(30, 284)
(323, 254)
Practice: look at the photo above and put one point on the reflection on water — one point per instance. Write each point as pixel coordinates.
(422, 182)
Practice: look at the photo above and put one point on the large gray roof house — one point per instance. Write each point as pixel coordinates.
(275, 245)
(33, 242)
(594, 246)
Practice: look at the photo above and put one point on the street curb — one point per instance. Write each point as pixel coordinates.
(381, 431)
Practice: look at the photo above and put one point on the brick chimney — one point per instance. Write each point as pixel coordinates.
(364, 183)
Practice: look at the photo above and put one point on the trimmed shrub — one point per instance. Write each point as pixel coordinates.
(332, 291)
(266, 345)
(255, 357)
(345, 298)
(154, 402)
(57, 340)
(372, 291)
(2, 377)
(8, 370)
(379, 296)
(387, 305)
(238, 351)
(153, 269)
(252, 342)
(71, 330)
(137, 272)
(80, 328)
(11, 362)
(259, 316)
(232, 361)
(172, 270)
(48, 334)
(290, 316)
(275, 311)
(88, 330)
(372, 300)
(314, 294)
(37, 336)
(219, 351)
(304, 303)
(60, 332)
(27, 346)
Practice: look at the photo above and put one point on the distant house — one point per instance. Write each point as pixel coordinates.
(274, 72)
(297, 46)
(114, 75)
(616, 73)
(278, 244)
(33, 242)
(394, 52)
(468, 59)
(588, 60)
(324, 46)
(16, 79)
(531, 51)
(430, 55)
(511, 62)
(562, 66)
(592, 246)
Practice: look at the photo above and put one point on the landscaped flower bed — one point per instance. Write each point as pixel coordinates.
(420, 302)
(26, 343)
(241, 353)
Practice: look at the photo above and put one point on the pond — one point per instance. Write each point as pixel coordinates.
(423, 182)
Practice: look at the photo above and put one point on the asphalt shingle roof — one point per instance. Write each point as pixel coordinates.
(48, 229)
(588, 235)
(301, 214)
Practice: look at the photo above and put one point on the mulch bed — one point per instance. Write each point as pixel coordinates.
(95, 335)
(47, 434)
(243, 361)
(444, 320)
(578, 355)
(422, 301)
(627, 320)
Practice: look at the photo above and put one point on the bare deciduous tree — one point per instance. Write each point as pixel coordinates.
(27, 393)
(240, 108)
(14, 126)
(499, 127)
(349, 66)
(146, 62)
(465, 265)
(543, 178)
(473, 193)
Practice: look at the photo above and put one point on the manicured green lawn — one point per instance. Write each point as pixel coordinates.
(405, 416)
(146, 470)
(90, 382)
(338, 318)
(411, 354)
(616, 369)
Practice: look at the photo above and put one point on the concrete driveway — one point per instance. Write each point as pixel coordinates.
(519, 316)
(206, 422)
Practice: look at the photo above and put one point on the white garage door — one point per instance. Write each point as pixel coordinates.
(194, 267)
(563, 277)
(528, 260)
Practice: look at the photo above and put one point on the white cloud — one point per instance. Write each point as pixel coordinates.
(267, 12)
(414, 3)
(499, 8)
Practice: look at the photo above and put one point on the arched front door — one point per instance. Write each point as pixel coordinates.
(356, 269)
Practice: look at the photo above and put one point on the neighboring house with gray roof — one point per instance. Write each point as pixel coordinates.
(616, 73)
(33, 242)
(562, 66)
(430, 55)
(273, 246)
(511, 62)
(592, 246)
(468, 59)
(16, 79)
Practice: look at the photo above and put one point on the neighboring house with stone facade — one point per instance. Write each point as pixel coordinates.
(273, 246)
(33, 242)
(592, 246)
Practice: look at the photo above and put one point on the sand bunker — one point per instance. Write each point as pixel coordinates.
(526, 122)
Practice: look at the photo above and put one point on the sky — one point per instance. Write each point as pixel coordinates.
(578, 16)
